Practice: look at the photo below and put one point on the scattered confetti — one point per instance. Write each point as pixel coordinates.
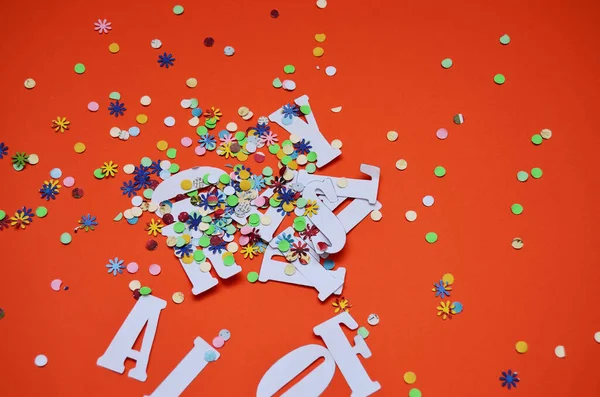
(411, 215)
(509, 379)
(560, 352)
(341, 305)
(521, 347)
(178, 297)
(40, 360)
(447, 63)
(373, 319)
(410, 378)
(504, 39)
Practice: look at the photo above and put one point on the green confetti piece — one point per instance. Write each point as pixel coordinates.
(289, 69)
(516, 209)
(499, 79)
(252, 277)
(284, 246)
(504, 39)
(536, 173)
(145, 291)
(79, 68)
(277, 83)
(431, 237)
(439, 171)
(118, 217)
(447, 63)
(40, 212)
(522, 176)
(363, 332)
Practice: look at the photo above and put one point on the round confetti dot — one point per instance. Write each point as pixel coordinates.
(137, 201)
(363, 332)
(318, 51)
(414, 393)
(537, 139)
(132, 267)
(458, 307)
(373, 319)
(277, 83)
(522, 176)
(218, 342)
(330, 71)
(321, 3)
(205, 267)
(458, 119)
(141, 118)
(172, 153)
(447, 63)
(410, 378)
(156, 44)
(392, 136)
(178, 297)
(376, 215)
(210, 356)
(328, 264)
(162, 145)
(41, 212)
(401, 164)
(79, 147)
(66, 238)
(546, 133)
(442, 133)
(521, 347)
(289, 85)
(428, 201)
(145, 100)
(178, 10)
(439, 171)
(342, 182)
(191, 82)
(93, 106)
(40, 360)
(560, 352)
(597, 336)
(274, 13)
(114, 48)
(33, 159)
(536, 173)
(289, 270)
(55, 284)
(411, 215)
(504, 39)
(517, 243)
(252, 277)
(129, 169)
(499, 79)
(320, 37)
(154, 269)
(29, 83)
(169, 121)
(98, 173)
(336, 144)
(56, 173)
(115, 132)
(431, 237)
(228, 50)
(79, 68)
(69, 181)
(225, 334)
(448, 278)
(134, 284)
(289, 69)
(516, 209)
(115, 95)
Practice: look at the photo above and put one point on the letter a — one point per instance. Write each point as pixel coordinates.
(146, 310)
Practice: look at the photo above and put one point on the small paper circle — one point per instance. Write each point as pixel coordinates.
(154, 269)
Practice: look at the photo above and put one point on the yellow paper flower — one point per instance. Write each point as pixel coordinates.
(446, 309)
(311, 208)
(109, 168)
(154, 228)
(341, 305)
(22, 218)
(225, 150)
(250, 250)
(60, 124)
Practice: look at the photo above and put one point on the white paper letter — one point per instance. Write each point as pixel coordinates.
(345, 355)
(146, 310)
(186, 371)
(327, 222)
(291, 365)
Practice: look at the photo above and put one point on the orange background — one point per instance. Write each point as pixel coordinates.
(389, 77)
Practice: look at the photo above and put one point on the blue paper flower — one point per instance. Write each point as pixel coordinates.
(185, 250)
(509, 379)
(303, 147)
(155, 167)
(289, 111)
(49, 190)
(129, 188)
(286, 196)
(200, 200)
(88, 222)
(262, 129)
(142, 182)
(208, 141)
(141, 171)
(216, 249)
(115, 266)
(117, 109)
(165, 60)
(441, 289)
(287, 237)
(194, 221)
(259, 182)
(3, 150)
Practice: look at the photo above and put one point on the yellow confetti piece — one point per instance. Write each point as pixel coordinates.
(320, 37)
(318, 51)
(162, 145)
(141, 118)
(79, 147)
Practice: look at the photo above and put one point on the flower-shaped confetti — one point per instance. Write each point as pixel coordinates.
(311, 208)
(441, 289)
(3, 150)
(61, 124)
(165, 60)
(341, 305)
(117, 108)
(509, 379)
(154, 228)
(19, 160)
(87, 222)
(250, 251)
(213, 113)
(446, 310)
(50, 189)
(22, 218)
(102, 26)
(109, 168)
(115, 266)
